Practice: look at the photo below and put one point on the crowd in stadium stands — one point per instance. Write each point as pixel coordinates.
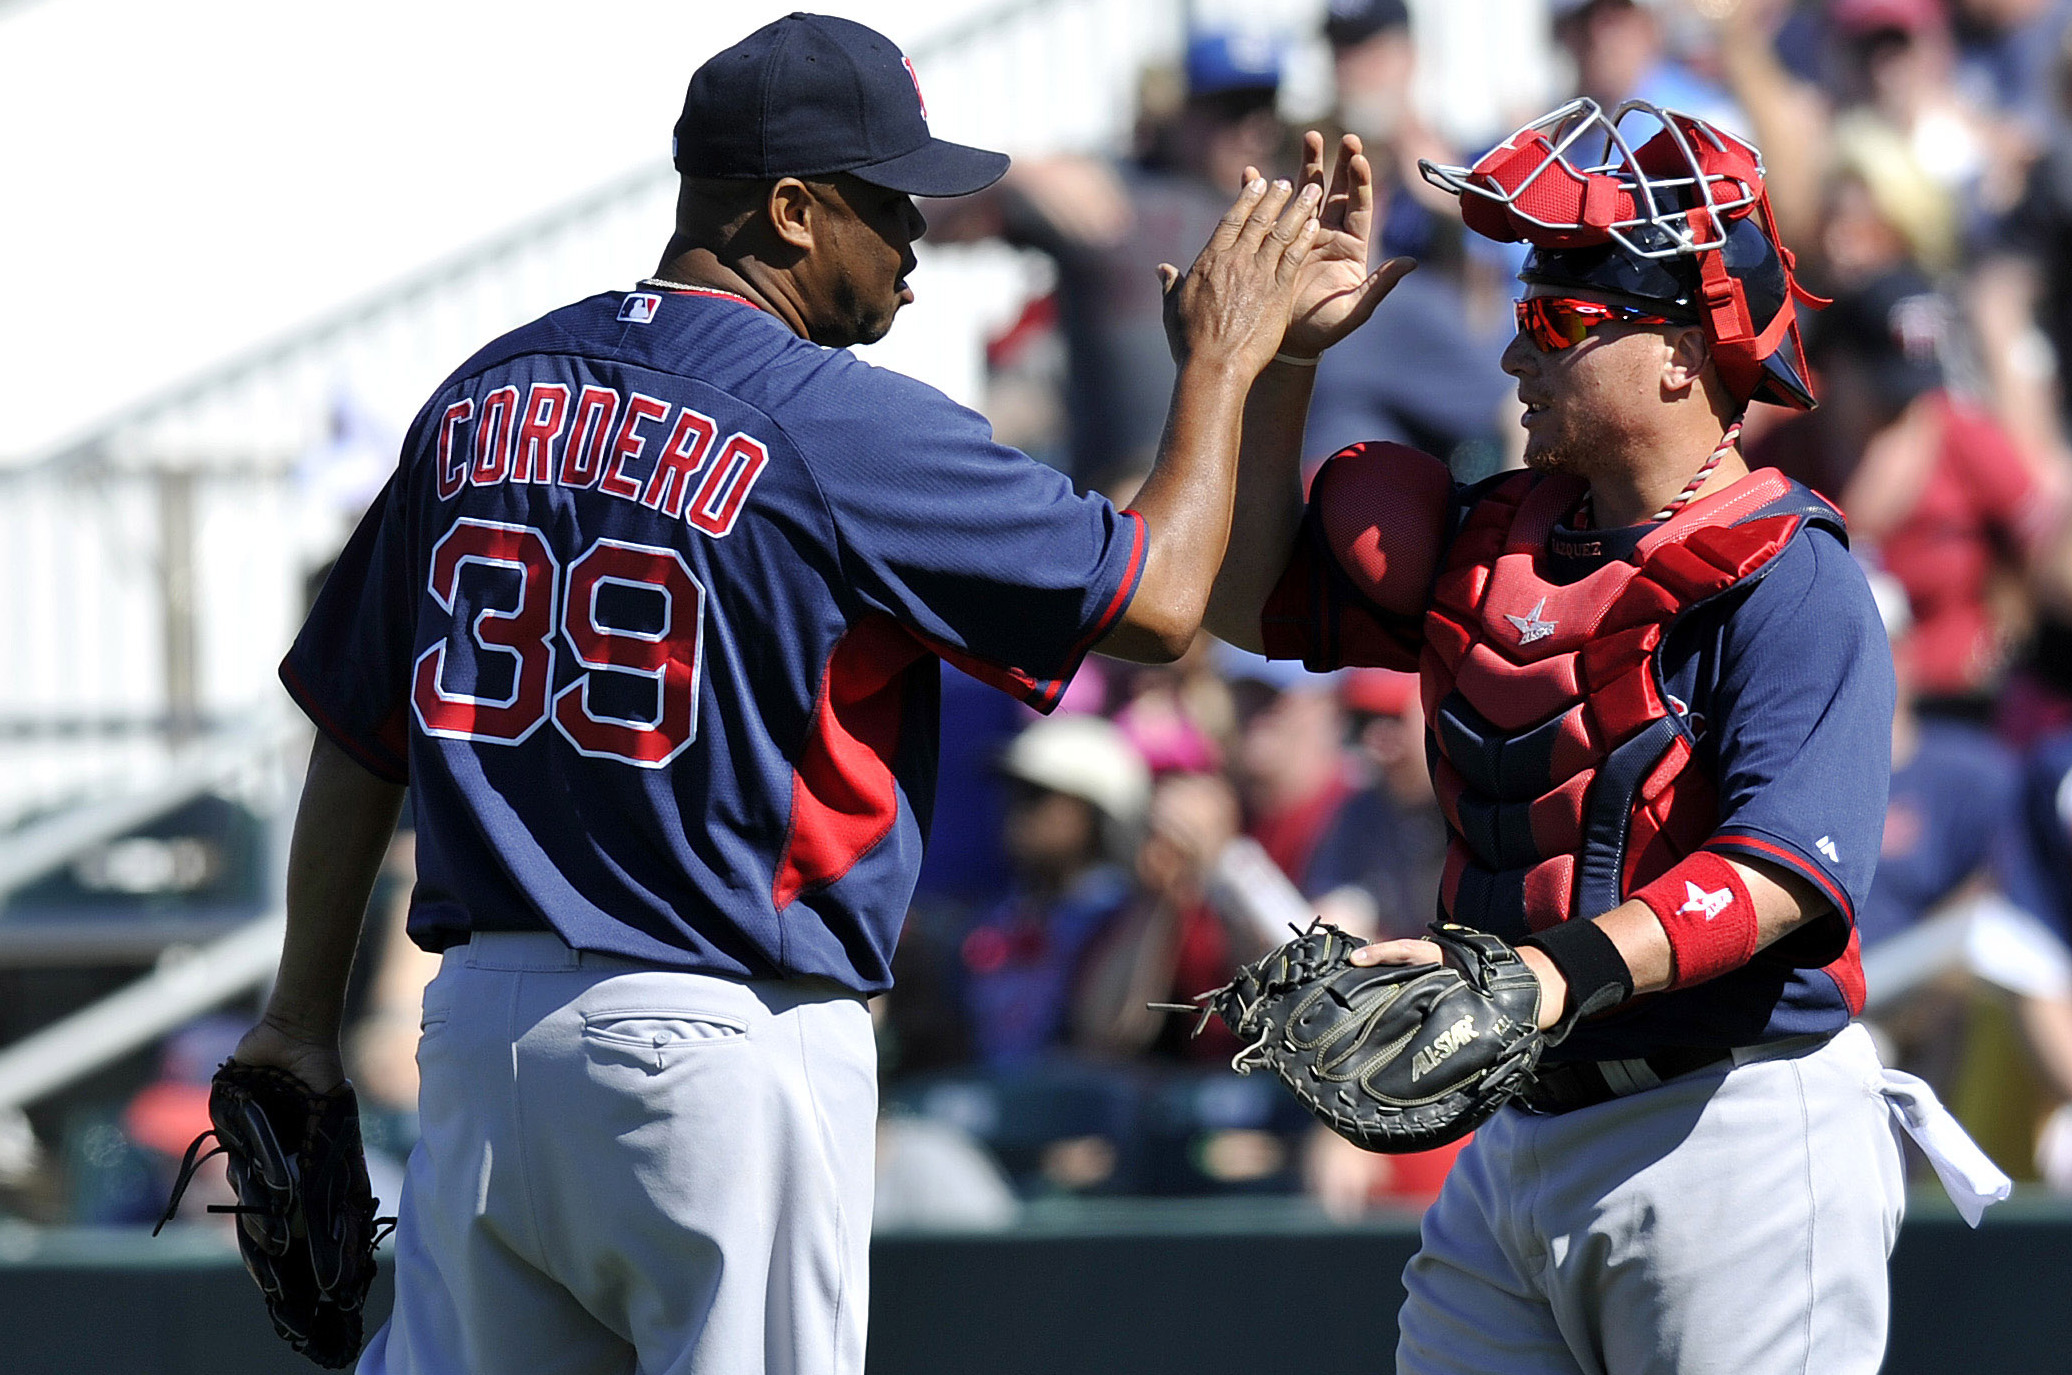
(1168, 821)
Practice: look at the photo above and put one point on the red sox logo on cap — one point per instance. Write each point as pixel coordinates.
(915, 77)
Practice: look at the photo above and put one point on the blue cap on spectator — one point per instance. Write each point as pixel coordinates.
(810, 95)
(1895, 327)
(1221, 60)
(1351, 22)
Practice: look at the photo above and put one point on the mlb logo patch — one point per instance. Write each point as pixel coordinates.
(640, 307)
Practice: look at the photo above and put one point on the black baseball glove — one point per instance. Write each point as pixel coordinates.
(305, 1214)
(1393, 1058)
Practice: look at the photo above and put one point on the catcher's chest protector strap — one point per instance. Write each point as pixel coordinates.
(1563, 771)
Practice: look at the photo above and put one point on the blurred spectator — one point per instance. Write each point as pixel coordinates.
(1423, 371)
(1897, 67)
(1380, 865)
(1171, 943)
(1893, 60)
(1926, 478)
(338, 477)
(160, 1121)
(932, 1175)
(2007, 59)
(2021, 306)
(1291, 768)
(1108, 227)
(1377, 868)
(1176, 712)
(1884, 211)
(1953, 847)
(1786, 108)
(1078, 794)
(1373, 62)
(2022, 294)
(1619, 54)
(1347, 1181)
(1952, 818)
(1878, 103)
(2047, 829)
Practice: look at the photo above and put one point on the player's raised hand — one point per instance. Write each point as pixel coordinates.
(1335, 293)
(1234, 302)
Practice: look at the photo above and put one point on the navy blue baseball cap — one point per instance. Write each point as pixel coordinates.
(810, 95)
(1351, 22)
(1224, 60)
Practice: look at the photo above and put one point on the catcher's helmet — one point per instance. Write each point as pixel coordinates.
(1683, 222)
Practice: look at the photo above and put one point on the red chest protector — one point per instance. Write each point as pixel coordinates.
(1564, 771)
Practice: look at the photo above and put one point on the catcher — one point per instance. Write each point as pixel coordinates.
(1659, 704)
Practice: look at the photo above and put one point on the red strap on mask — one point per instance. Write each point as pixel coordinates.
(1738, 348)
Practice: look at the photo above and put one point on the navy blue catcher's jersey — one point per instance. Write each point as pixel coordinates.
(1788, 687)
(648, 619)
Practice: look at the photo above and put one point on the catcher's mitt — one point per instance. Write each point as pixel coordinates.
(305, 1214)
(1393, 1058)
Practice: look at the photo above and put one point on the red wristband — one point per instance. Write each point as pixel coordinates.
(1704, 906)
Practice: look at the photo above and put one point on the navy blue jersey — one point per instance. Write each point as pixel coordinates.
(1954, 815)
(1788, 685)
(649, 618)
(1023, 958)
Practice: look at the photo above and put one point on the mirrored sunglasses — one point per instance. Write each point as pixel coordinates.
(1560, 322)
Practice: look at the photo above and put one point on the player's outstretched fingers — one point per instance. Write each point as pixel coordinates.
(1313, 169)
(1349, 206)
(1240, 213)
(1297, 222)
(1266, 213)
(1297, 252)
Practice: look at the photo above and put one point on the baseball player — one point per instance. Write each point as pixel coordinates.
(1659, 701)
(647, 622)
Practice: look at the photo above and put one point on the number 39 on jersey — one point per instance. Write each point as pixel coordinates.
(631, 615)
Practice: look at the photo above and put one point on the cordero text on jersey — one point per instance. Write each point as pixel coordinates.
(638, 448)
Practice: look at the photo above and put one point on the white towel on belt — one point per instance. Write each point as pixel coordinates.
(1973, 1182)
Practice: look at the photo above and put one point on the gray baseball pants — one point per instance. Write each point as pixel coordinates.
(1733, 1221)
(627, 1169)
